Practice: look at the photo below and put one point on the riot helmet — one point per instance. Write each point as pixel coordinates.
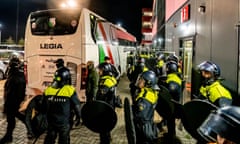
(217, 71)
(149, 78)
(14, 62)
(209, 72)
(160, 56)
(14, 67)
(131, 53)
(171, 67)
(210, 67)
(173, 57)
(105, 69)
(61, 78)
(224, 122)
(106, 58)
(59, 63)
(140, 62)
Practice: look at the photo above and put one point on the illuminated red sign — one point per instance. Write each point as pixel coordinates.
(185, 13)
(172, 6)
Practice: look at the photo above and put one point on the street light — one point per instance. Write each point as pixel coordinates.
(0, 33)
(119, 24)
(69, 4)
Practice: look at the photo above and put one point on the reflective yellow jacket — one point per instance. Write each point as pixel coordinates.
(173, 77)
(148, 94)
(215, 91)
(160, 64)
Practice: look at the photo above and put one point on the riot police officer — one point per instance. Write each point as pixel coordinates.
(211, 87)
(174, 81)
(159, 68)
(115, 72)
(106, 92)
(133, 73)
(130, 59)
(174, 85)
(60, 99)
(143, 107)
(222, 126)
(174, 58)
(60, 67)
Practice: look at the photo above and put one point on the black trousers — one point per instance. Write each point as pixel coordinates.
(11, 120)
(105, 138)
(63, 133)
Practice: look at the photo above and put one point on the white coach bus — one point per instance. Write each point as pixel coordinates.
(76, 35)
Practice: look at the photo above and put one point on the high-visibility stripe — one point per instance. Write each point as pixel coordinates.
(66, 91)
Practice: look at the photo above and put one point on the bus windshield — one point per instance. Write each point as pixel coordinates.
(54, 22)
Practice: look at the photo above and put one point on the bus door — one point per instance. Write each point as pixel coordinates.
(186, 58)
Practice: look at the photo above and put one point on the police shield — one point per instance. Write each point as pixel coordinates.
(194, 114)
(165, 108)
(99, 116)
(129, 124)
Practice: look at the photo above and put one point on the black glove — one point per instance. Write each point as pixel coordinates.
(78, 114)
(77, 120)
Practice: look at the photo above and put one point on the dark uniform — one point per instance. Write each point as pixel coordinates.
(14, 93)
(134, 72)
(174, 81)
(115, 72)
(211, 88)
(144, 106)
(130, 59)
(174, 58)
(61, 68)
(159, 67)
(106, 92)
(59, 100)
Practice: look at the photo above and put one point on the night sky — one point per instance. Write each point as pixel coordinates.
(127, 12)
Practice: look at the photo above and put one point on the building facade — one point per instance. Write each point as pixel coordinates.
(146, 26)
(199, 30)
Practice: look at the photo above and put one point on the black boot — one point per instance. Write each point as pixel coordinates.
(6, 139)
(30, 135)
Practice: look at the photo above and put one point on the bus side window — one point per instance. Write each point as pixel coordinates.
(40, 26)
(71, 27)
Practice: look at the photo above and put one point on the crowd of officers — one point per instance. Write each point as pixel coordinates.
(145, 83)
(58, 109)
(149, 74)
(62, 107)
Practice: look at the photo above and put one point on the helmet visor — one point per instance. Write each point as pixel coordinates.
(206, 66)
(206, 130)
(219, 124)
